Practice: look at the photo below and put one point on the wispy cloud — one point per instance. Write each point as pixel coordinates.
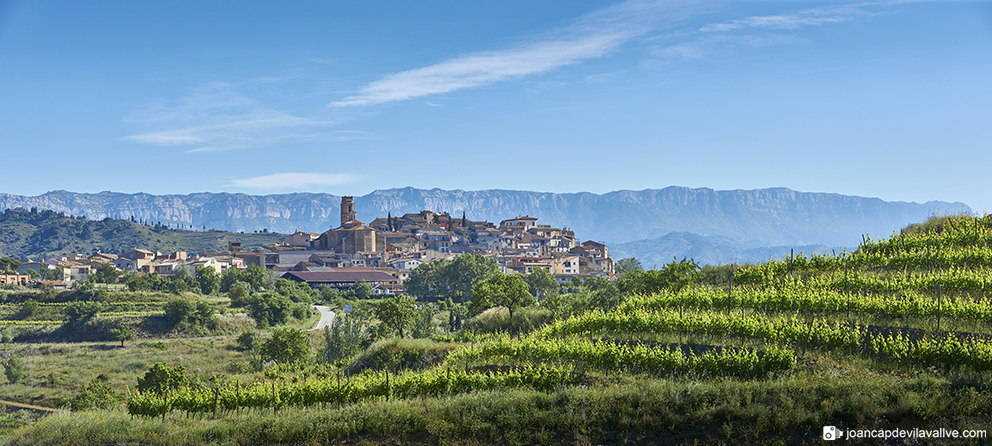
(296, 180)
(719, 39)
(218, 117)
(806, 17)
(594, 35)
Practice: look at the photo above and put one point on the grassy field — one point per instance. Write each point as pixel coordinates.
(57, 372)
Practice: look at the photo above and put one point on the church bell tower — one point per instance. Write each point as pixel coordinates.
(348, 210)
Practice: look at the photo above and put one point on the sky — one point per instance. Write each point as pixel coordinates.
(876, 99)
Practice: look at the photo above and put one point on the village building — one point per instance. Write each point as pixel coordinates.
(352, 236)
(14, 279)
(345, 278)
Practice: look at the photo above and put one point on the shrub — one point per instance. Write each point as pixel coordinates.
(13, 368)
(287, 345)
(97, 394)
(249, 340)
(161, 378)
(81, 311)
(270, 308)
(28, 308)
(184, 311)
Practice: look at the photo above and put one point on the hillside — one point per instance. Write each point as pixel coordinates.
(892, 337)
(39, 234)
(761, 217)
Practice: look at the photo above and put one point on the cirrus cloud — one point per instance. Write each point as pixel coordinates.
(295, 180)
(595, 35)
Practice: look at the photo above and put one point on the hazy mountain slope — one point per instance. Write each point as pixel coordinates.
(45, 234)
(763, 217)
(705, 250)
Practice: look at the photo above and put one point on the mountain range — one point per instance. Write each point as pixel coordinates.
(730, 222)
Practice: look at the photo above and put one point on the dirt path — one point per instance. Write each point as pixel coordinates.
(27, 406)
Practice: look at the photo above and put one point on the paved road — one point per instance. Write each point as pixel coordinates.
(326, 317)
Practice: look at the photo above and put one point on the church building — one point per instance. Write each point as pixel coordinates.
(352, 236)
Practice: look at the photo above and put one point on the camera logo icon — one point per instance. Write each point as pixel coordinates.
(832, 433)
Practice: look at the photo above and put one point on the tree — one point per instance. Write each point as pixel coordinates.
(162, 378)
(542, 284)
(467, 270)
(607, 295)
(13, 368)
(208, 279)
(298, 292)
(238, 295)
(254, 275)
(500, 290)
(629, 265)
(52, 273)
(86, 290)
(674, 276)
(423, 321)
(363, 290)
(440, 280)
(427, 281)
(9, 265)
(287, 345)
(180, 273)
(105, 273)
(343, 339)
(269, 308)
(396, 312)
(122, 332)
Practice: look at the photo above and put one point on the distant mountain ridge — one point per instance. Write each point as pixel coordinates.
(762, 217)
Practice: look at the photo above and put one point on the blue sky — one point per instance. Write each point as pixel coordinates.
(880, 99)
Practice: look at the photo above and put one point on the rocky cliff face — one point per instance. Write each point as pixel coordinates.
(765, 216)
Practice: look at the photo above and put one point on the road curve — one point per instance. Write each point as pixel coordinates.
(326, 317)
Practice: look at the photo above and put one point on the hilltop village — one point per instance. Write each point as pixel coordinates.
(381, 253)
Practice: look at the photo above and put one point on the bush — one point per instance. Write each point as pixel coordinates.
(13, 368)
(86, 290)
(270, 308)
(96, 395)
(497, 320)
(287, 345)
(297, 292)
(239, 295)
(401, 354)
(248, 341)
(28, 308)
(161, 378)
(184, 311)
(81, 311)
